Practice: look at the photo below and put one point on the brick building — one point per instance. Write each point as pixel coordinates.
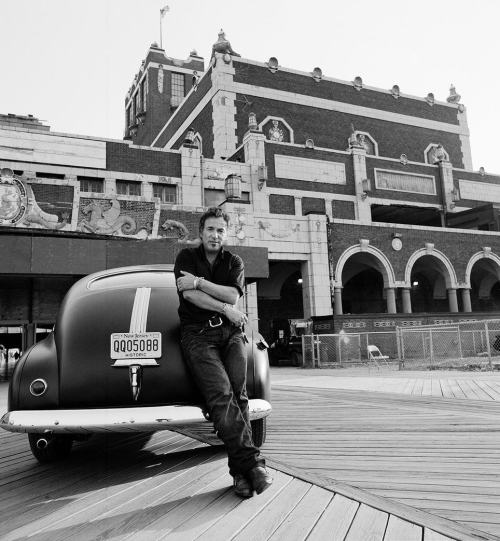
(356, 205)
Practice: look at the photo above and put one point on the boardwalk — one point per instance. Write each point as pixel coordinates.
(178, 488)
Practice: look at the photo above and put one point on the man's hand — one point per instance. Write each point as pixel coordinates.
(235, 316)
(186, 282)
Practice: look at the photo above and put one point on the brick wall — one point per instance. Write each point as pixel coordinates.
(331, 129)
(458, 247)
(343, 210)
(292, 184)
(202, 124)
(122, 157)
(185, 109)
(338, 91)
(429, 170)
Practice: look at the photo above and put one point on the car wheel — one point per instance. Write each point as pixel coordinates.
(259, 432)
(50, 448)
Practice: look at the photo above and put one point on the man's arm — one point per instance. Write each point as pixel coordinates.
(203, 300)
(188, 282)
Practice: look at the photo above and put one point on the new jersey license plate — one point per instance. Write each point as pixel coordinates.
(130, 345)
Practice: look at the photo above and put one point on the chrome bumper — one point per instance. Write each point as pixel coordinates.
(142, 419)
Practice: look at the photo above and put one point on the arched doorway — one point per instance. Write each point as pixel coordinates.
(364, 279)
(430, 280)
(485, 286)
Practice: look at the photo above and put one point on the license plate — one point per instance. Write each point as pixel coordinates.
(130, 345)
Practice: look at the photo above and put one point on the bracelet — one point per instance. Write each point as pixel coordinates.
(196, 281)
(224, 308)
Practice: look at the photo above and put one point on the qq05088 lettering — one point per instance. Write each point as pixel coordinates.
(130, 345)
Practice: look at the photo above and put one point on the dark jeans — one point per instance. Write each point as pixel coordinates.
(217, 360)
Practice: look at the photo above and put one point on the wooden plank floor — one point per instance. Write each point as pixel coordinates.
(179, 488)
(435, 454)
(175, 488)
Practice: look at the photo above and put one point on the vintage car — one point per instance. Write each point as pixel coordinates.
(114, 364)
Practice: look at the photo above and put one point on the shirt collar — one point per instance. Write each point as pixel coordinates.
(203, 255)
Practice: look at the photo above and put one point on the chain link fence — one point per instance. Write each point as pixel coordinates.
(470, 345)
(345, 349)
(467, 345)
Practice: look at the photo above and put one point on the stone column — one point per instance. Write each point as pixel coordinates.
(406, 293)
(466, 300)
(391, 300)
(452, 300)
(337, 295)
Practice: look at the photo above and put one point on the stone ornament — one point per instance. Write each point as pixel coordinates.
(482, 171)
(453, 97)
(403, 159)
(395, 92)
(272, 64)
(275, 132)
(223, 46)
(357, 83)
(430, 99)
(252, 122)
(160, 79)
(13, 198)
(396, 244)
(317, 74)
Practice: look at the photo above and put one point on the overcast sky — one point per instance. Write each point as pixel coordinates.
(71, 62)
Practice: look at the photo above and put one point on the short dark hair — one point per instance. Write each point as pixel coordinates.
(213, 212)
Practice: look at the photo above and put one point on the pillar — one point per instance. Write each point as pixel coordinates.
(466, 300)
(391, 300)
(452, 300)
(337, 297)
(406, 293)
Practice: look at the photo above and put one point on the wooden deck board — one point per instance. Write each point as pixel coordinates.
(335, 521)
(421, 450)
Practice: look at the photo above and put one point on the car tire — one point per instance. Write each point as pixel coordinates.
(57, 447)
(259, 432)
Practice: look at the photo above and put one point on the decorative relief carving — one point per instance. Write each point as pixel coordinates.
(266, 226)
(275, 133)
(13, 198)
(103, 217)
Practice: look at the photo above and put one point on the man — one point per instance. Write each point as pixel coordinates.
(210, 281)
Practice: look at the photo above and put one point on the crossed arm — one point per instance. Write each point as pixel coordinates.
(210, 296)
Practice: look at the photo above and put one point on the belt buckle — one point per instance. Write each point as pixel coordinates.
(213, 325)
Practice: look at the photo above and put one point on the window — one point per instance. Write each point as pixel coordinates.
(91, 184)
(177, 86)
(50, 175)
(213, 198)
(166, 192)
(128, 187)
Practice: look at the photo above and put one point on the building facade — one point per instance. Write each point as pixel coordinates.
(351, 205)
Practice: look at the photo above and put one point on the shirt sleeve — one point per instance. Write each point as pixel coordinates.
(184, 262)
(237, 274)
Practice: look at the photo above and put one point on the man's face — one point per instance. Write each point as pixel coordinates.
(214, 234)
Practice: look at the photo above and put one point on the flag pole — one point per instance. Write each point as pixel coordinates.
(163, 10)
(161, 31)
